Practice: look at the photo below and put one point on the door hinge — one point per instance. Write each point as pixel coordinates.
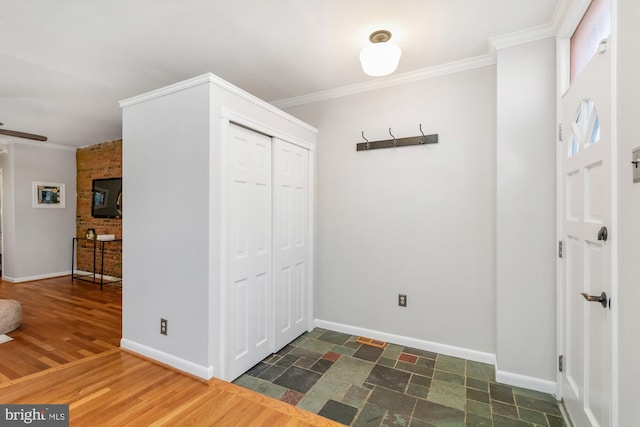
(560, 132)
(560, 360)
(560, 249)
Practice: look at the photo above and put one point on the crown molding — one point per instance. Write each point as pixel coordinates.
(495, 43)
(381, 83)
(524, 36)
(15, 140)
(567, 16)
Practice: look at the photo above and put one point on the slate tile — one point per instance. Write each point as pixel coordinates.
(258, 369)
(292, 397)
(500, 421)
(286, 349)
(366, 352)
(505, 409)
(334, 337)
(272, 373)
(474, 420)
(287, 360)
(556, 421)
(321, 366)
(451, 364)
(438, 414)
(421, 353)
(477, 395)
(549, 407)
(502, 393)
(297, 379)
(390, 378)
(338, 411)
(392, 400)
(305, 363)
(370, 416)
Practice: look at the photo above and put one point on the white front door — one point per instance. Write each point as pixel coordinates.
(248, 289)
(586, 214)
(290, 241)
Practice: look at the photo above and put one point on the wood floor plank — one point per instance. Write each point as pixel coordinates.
(66, 351)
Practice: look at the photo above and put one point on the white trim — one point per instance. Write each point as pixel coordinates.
(37, 277)
(523, 36)
(210, 78)
(449, 350)
(499, 42)
(43, 144)
(569, 16)
(381, 83)
(168, 359)
(523, 381)
(247, 122)
(311, 217)
(615, 204)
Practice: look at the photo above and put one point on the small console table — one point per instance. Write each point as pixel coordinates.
(96, 277)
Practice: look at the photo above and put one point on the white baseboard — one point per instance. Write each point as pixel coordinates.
(508, 378)
(449, 350)
(523, 381)
(168, 359)
(32, 278)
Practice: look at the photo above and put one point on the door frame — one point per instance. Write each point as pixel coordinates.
(571, 18)
(227, 117)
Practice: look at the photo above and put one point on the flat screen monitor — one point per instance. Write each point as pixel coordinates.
(106, 198)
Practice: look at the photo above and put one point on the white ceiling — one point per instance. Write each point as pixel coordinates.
(65, 64)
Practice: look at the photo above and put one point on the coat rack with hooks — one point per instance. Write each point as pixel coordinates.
(397, 142)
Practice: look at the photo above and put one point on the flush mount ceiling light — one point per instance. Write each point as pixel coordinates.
(381, 57)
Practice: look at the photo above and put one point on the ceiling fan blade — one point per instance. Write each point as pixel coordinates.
(22, 135)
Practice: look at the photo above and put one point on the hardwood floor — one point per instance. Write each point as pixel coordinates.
(67, 352)
(60, 324)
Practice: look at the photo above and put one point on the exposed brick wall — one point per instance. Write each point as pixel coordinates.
(94, 162)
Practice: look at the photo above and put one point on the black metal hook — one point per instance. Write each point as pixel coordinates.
(423, 135)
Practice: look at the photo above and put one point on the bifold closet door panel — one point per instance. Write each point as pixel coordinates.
(249, 288)
(290, 241)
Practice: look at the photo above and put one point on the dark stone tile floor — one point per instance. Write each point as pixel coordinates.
(328, 373)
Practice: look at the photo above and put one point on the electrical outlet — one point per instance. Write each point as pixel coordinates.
(402, 300)
(163, 326)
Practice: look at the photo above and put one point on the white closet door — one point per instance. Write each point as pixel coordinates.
(249, 289)
(291, 241)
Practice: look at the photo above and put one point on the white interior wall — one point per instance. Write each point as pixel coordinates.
(628, 297)
(165, 170)
(37, 241)
(525, 272)
(414, 220)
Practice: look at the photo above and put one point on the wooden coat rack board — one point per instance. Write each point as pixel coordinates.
(397, 142)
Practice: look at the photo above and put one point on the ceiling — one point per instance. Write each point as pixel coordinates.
(65, 64)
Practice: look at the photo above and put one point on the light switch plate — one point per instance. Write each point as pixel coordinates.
(636, 166)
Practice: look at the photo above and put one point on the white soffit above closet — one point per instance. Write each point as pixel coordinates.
(65, 64)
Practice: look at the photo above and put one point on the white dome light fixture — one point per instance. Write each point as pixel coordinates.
(381, 57)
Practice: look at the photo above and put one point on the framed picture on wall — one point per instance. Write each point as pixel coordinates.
(48, 195)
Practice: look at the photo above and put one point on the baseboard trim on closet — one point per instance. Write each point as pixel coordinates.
(449, 350)
(202, 373)
(523, 381)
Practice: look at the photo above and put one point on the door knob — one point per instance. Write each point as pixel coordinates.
(603, 234)
(602, 298)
